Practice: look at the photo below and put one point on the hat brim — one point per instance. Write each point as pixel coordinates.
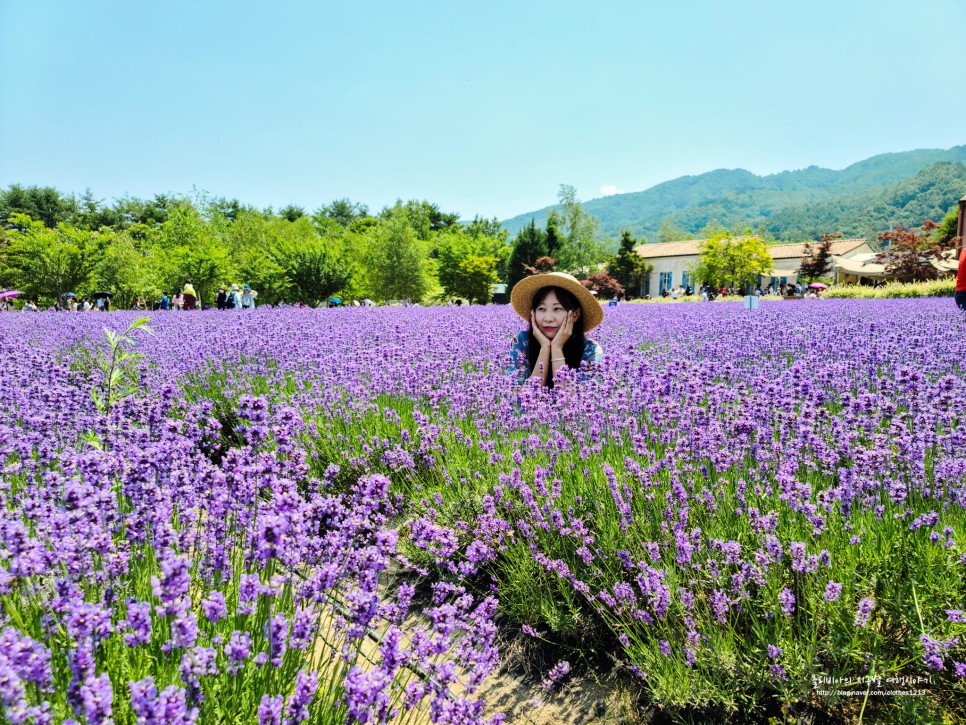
(521, 296)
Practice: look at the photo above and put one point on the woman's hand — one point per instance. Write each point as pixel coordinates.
(538, 333)
(565, 331)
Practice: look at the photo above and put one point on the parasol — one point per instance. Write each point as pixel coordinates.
(100, 294)
(818, 285)
(335, 300)
(9, 294)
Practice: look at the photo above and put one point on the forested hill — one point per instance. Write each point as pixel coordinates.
(791, 204)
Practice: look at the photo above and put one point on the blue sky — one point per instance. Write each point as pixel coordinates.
(481, 107)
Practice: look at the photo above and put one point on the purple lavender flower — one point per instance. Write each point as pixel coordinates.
(299, 702)
(276, 632)
(864, 611)
(366, 694)
(29, 660)
(98, 698)
(138, 622)
(174, 581)
(214, 606)
(774, 652)
(303, 628)
(88, 620)
(238, 649)
(832, 591)
(11, 688)
(529, 631)
(270, 710)
(787, 601)
(168, 708)
(559, 671)
(184, 632)
(248, 593)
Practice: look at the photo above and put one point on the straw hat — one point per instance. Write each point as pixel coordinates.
(521, 296)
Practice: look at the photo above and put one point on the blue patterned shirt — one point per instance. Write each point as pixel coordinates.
(519, 353)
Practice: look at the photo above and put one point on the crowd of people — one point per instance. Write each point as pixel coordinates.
(709, 292)
(231, 298)
(67, 303)
(786, 290)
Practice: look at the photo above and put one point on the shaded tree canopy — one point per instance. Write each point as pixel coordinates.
(529, 245)
(628, 267)
(817, 258)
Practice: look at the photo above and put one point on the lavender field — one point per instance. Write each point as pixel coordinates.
(346, 515)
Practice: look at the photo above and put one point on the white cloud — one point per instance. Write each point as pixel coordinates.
(609, 189)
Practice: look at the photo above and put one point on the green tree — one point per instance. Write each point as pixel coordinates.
(312, 272)
(670, 232)
(734, 261)
(343, 212)
(711, 228)
(476, 276)
(467, 264)
(291, 212)
(41, 203)
(424, 217)
(580, 248)
(481, 227)
(252, 242)
(191, 252)
(629, 268)
(152, 213)
(554, 241)
(948, 227)
(398, 260)
(127, 272)
(228, 209)
(91, 213)
(529, 245)
(45, 263)
(816, 259)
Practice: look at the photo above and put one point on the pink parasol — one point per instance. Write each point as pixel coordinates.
(8, 294)
(818, 285)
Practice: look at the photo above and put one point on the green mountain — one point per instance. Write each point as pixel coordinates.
(792, 204)
(927, 194)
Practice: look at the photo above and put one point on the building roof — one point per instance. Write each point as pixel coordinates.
(691, 247)
(789, 251)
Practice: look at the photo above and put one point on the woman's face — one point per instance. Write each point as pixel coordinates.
(550, 315)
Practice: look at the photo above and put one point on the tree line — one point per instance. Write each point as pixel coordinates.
(52, 243)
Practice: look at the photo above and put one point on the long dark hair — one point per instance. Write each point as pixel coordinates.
(574, 347)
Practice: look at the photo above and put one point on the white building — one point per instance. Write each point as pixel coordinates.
(858, 267)
(673, 260)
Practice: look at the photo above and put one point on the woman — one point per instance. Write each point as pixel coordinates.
(248, 298)
(560, 310)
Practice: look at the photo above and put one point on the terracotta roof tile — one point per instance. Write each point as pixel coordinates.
(778, 251)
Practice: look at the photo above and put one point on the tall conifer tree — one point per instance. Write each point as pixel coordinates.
(529, 245)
